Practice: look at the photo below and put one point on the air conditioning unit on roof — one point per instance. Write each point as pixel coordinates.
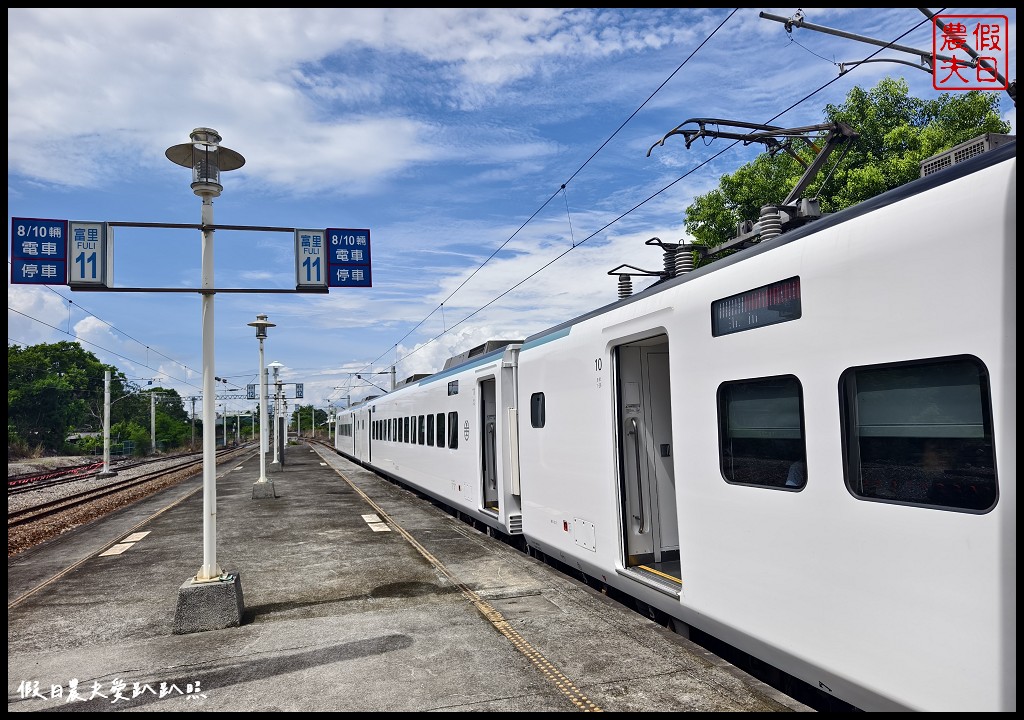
(964, 151)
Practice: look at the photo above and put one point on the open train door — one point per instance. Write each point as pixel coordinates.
(489, 444)
(649, 518)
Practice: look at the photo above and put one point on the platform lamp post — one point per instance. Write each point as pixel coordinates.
(221, 606)
(276, 367)
(262, 488)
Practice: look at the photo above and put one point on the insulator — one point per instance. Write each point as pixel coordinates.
(771, 222)
(669, 259)
(625, 286)
(684, 261)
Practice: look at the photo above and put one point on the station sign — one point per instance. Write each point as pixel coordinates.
(90, 255)
(349, 258)
(61, 252)
(80, 254)
(39, 251)
(310, 260)
(250, 391)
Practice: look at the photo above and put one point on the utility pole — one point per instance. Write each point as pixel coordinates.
(152, 419)
(106, 471)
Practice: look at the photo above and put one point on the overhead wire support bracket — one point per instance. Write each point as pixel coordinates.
(926, 58)
(838, 134)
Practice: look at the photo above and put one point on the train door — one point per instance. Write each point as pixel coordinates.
(361, 423)
(649, 519)
(489, 445)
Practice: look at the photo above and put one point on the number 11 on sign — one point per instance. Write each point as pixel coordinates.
(309, 259)
(89, 255)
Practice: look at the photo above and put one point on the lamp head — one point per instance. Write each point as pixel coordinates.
(206, 158)
(261, 326)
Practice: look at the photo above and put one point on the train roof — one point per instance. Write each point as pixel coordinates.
(1005, 148)
(479, 355)
(415, 377)
(487, 347)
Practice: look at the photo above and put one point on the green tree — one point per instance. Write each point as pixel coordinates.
(55, 389)
(307, 417)
(896, 131)
(173, 426)
(131, 432)
(50, 389)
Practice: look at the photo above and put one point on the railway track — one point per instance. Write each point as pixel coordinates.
(27, 481)
(31, 482)
(66, 503)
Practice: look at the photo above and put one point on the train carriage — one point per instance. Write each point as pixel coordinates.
(806, 449)
(871, 353)
(450, 435)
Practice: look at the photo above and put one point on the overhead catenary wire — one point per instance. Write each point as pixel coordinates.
(112, 327)
(604, 227)
(561, 189)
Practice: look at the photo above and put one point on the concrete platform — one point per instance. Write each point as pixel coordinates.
(356, 596)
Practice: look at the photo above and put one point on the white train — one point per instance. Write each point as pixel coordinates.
(805, 450)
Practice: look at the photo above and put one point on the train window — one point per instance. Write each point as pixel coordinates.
(430, 429)
(453, 430)
(422, 425)
(537, 410)
(920, 433)
(761, 431)
(405, 429)
(440, 430)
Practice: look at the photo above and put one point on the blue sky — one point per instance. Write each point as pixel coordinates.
(448, 133)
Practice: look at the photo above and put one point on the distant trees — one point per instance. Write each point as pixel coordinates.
(897, 132)
(56, 389)
(307, 418)
(48, 388)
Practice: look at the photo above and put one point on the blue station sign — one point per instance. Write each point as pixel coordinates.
(39, 251)
(348, 262)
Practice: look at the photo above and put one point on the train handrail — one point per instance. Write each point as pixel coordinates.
(642, 517)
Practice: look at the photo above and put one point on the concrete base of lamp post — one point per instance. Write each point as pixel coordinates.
(212, 605)
(262, 489)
